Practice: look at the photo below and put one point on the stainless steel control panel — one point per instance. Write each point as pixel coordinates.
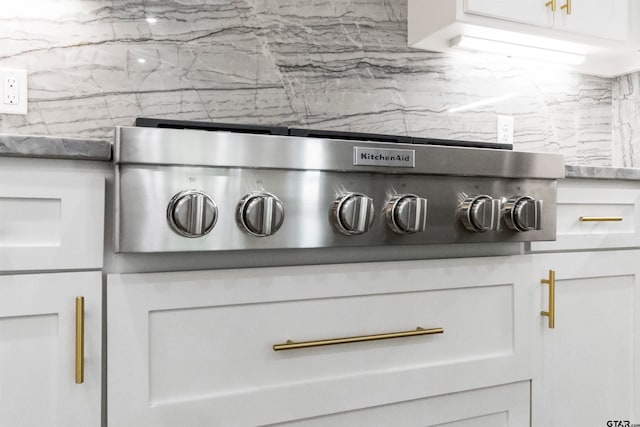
(189, 190)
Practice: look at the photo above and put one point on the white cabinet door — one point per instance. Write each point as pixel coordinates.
(532, 12)
(499, 406)
(196, 348)
(603, 19)
(596, 18)
(589, 364)
(38, 350)
(602, 30)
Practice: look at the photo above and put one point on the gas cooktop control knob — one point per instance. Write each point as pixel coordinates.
(523, 213)
(352, 213)
(480, 213)
(260, 214)
(406, 213)
(192, 213)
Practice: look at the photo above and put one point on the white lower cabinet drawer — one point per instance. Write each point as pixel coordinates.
(196, 348)
(51, 220)
(595, 214)
(499, 406)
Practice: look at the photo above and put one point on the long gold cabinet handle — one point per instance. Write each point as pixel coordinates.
(551, 314)
(567, 7)
(551, 3)
(599, 218)
(79, 340)
(290, 345)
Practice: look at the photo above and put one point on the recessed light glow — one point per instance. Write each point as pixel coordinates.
(151, 20)
(517, 50)
(142, 60)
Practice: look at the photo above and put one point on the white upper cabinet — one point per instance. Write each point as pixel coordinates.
(591, 36)
(595, 18)
(525, 11)
(602, 19)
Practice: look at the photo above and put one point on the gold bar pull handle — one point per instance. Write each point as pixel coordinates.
(290, 345)
(567, 7)
(79, 340)
(599, 218)
(551, 314)
(551, 3)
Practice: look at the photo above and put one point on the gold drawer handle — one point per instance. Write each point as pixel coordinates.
(290, 345)
(599, 218)
(567, 7)
(551, 3)
(551, 314)
(79, 340)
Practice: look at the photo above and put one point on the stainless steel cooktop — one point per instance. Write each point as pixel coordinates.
(191, 189)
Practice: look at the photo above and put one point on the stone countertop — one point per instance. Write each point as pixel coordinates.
(55, 147)
(597, 172)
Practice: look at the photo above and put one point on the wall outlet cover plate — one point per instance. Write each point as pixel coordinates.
(13, 91)
(505, 130)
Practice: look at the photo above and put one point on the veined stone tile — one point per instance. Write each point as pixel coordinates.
(626, 121)
(94, 64)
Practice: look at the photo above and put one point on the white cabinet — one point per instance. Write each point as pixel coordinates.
(595, 18)
(595, 214)
(50, 220)
(196, 348)
(601, 19)
(527, 11)
(588, 367)
(598, 36)
(38, 350)
(498, 406)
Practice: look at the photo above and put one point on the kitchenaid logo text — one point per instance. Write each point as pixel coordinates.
(398, 158)
(384, 157)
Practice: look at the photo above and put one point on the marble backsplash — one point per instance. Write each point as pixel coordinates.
(626, 121)
(341, 65)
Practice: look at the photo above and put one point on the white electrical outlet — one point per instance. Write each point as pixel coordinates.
(505, 130)
(13, 88)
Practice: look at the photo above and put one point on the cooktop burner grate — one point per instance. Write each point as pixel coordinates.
(313, 133)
